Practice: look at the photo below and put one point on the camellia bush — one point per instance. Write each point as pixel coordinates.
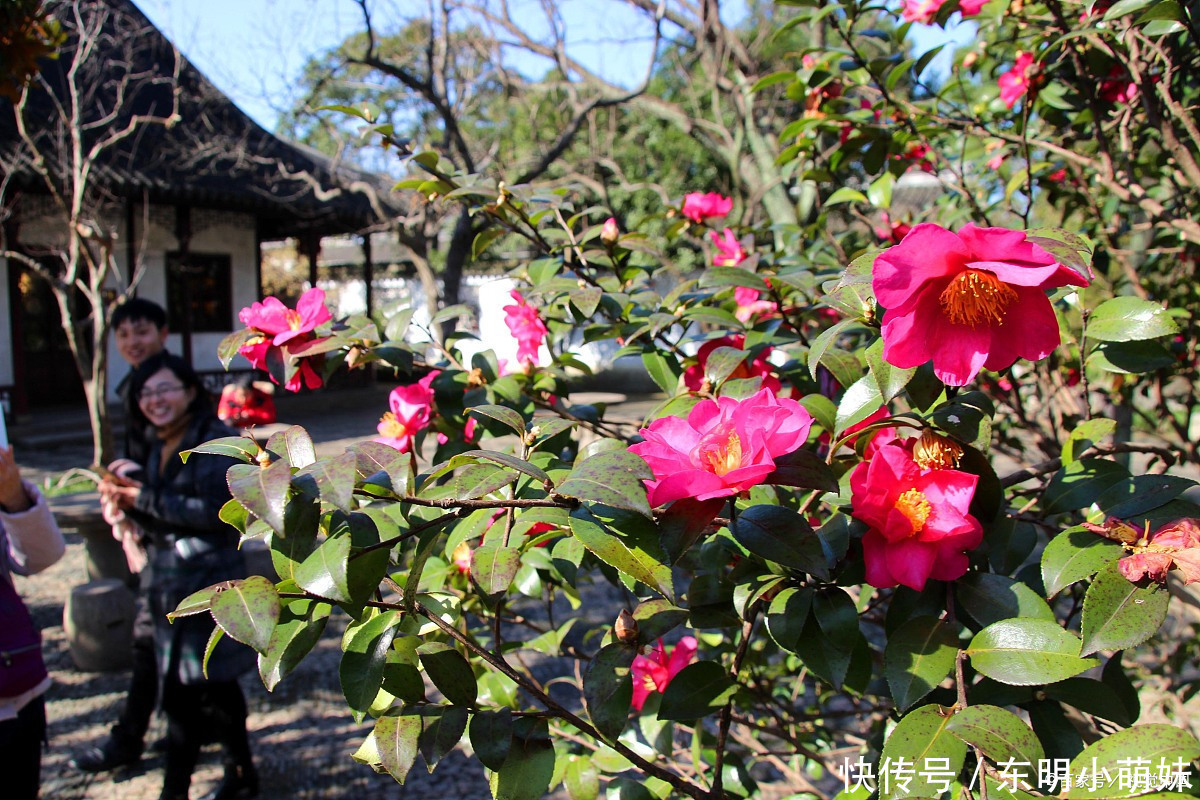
(886, 534)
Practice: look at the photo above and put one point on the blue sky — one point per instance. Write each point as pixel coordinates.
(254, 50)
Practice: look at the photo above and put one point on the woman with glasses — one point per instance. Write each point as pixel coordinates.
(177, 505)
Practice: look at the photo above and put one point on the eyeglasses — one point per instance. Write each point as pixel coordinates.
(161, 391)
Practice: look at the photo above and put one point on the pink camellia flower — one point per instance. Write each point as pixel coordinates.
(1118, 87)
(610, 232)
(922, 11)
(1175, 544)
(698, 207)
(263, 355)
(1058, 176)
(967, 300)
(970, 8)
(654, 672)
(729, 249)
(411, 409)
(750, 304)
(1014, 82)
(759, 366)
(892, 230)
(995, 161)
(526, 327)
(724, 447)
(272, 317)
(920, 525)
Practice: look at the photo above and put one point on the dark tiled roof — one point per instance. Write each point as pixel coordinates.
(214, 157)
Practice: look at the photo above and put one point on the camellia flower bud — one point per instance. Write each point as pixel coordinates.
(610, 232)
(934, 451)
(626, 628)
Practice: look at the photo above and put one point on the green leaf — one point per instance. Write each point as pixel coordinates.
(1024, 652)
(450, 672)
(1130, 319)
(581, 780)
(1153, 744)
(880, 190)
(1092, 697)
(922, 734)
(300, 625)
(612, 478)
(662, 370)
(196, 602)
(1118, 614)
(365, 650)
(787, 615)
(491, 736)
(826, 339)
(968, 417)
(502, 414)
(324, 572)
(587, 300)
(441, 731)
(493, 567)
(396, 743)
(697, 690)
(484, 239)
(656, 618)
(247, 610)
(723, 362)
(1000, 734)
(890, 380)
(294, 446)
(804, 469)
(919, 655)
(334, 478)
(527, 772)
(262, 490)
(1080, 484)
(1125, 7)
(608, 689)
(859, 402)
(243, 448)
(510, 461)
(1131, 357)
(1085, 435)
(628, 543)
(372, 459)
(1073, 555)
(846, 195)
(990, 598)
(781, 535)
(1141, 493)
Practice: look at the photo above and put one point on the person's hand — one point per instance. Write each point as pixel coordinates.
(125, 467)
(12, 494)
(118, 495)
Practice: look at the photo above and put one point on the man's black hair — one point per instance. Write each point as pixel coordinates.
(137, 308)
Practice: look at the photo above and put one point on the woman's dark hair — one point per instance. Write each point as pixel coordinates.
(201, 404)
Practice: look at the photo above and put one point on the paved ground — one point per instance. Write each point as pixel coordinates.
(302, 734)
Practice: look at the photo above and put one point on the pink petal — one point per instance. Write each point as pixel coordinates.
(1029, 331)
(959, 352)
(875, 559)
(929, 251)
(911, 561)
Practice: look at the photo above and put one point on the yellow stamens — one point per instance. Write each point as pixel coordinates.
(649, 683)
(293, 318)
(976, 298)
(915, 507)
(722, 454)
(390, 427)
(933, 451)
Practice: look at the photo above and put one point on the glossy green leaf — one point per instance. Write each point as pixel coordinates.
(581, 780)
(656, 618)
(1000, 734)
(919, 655)
(450, 672)
(529, 768)
(697, 690)
(612, 478)
(968, 417)
(1153, 745)
(334, 478)
(1024, 652)
(787, 614)
(502, 414)
(1080, 484)
(293, 445)
(324, 572)
(859, 402)
(396, 743)
(301, 623)
(491, 736)
(662, 371)
(1084, 435)
(628, 543)
(608, 689)
(803, 469)
(247, 610)
(781, 535)
(441, 730)
(1092, 697)
(262, 490)
(1128, 319)
(493, 567)
(196, 602)
(1073, 555)
(1141, 493)
(890, 380)
(922, 734)
(243, 448)
(365, 650)
(990, 598)
(1118, 614)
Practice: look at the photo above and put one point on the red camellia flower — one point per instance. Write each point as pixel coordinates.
(724, 447)
(1014, 83)
(892, 230)
(970, 8)
(654, 672)
(729, 249)
(924, 11)
(750, 304)
(759, 366)
(526, 327)
(412, 407)
(919, 515)
(698, 207)
(967, 301)
(1118, 87)
(281, 331)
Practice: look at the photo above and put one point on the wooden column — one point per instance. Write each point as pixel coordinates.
(183, 235)
(368, 273)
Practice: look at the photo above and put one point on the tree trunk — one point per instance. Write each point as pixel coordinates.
(457, 258)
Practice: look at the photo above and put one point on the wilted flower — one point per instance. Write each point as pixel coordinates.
(526, 327)
(1175, 544)
(967, 301)
(698, 207)
(654, 672)
(724, 447)
(1014, 82)
(411, 409)
(759, 366)
(919, 518)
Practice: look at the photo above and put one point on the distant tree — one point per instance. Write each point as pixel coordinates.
(68, 122)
